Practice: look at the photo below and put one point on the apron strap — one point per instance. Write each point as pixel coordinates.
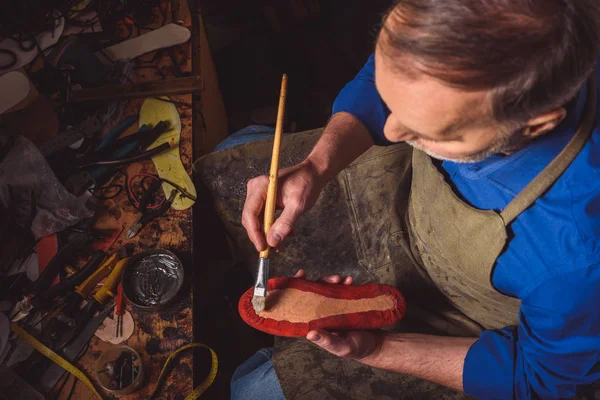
(559, 165)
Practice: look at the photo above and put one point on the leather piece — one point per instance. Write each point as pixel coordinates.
(331, 306)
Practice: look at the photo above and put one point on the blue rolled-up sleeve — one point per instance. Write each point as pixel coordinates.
(489, 365)
(554, 351)
(361, 99)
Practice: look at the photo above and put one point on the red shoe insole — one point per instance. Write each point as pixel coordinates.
(296, 306)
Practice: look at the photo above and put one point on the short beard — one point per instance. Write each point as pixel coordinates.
(508, 142)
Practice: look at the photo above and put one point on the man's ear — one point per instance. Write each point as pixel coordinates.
(544, 123)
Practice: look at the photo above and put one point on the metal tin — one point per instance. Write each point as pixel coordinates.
(152, 279)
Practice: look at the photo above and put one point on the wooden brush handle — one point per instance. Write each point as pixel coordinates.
(272, 188)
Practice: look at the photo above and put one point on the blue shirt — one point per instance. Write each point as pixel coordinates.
(552, 262)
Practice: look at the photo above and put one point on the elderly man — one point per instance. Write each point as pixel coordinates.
(498, 99)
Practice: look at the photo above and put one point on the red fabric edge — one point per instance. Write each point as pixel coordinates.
(360, 320)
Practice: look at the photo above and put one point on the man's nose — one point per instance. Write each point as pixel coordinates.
(395, 132)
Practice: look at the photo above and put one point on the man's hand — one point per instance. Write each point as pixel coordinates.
(435, 358)
(357, 345)
(298, 189)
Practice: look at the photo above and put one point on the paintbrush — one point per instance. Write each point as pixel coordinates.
(260, 287)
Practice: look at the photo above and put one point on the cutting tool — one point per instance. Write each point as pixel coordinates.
(43, 292)
(148, 214)
(68, 324)
(61, 328)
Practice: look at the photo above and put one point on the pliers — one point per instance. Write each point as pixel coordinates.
(148, 214)
(43, 292)
(67, 324)
(55, 334)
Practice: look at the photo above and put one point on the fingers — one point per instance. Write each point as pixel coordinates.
(255, 201)
(300, 274)
(331, 279)
(334, 344)
(337, 279)
(282, 227)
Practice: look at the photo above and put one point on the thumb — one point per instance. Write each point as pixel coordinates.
(332, 343)
(283, 226)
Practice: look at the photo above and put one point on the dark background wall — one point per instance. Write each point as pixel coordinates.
(320, 44)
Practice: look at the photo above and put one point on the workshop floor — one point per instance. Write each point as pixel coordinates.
(321, 47)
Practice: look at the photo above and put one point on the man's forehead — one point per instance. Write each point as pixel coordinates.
(425, 95)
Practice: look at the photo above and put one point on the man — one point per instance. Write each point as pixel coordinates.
(507, 227)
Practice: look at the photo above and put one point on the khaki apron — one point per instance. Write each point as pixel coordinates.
(436, 244)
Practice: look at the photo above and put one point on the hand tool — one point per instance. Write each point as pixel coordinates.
(86, 129)
(24, 307)
(101, 175)
(64, 358)
(60, 329)
(64, 286)
(260, 287)
(117, 131)
(42, 299)
(74, 350)
(142, 139)
(96, 302)
(124, 161)
(119, 310)
(147, 214)
(59, 261)
(68, 332)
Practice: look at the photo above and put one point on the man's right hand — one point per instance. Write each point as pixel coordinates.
(298, 189)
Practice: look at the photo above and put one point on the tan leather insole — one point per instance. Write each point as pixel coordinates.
(297, 306)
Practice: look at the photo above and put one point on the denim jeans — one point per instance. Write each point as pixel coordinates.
(255, 379)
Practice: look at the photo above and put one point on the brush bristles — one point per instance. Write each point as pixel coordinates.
(259, 302)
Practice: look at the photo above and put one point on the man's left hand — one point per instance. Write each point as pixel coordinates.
(357, 345)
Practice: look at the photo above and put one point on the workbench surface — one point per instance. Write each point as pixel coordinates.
(156, 334)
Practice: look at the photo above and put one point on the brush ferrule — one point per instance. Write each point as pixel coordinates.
(260, 287)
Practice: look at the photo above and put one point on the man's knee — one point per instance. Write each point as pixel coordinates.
(255, 379)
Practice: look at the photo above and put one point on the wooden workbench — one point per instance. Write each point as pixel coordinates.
(156, 334)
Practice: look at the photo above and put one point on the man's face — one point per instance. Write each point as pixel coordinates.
(445, 122)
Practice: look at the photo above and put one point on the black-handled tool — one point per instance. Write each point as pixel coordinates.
(58, 262)
(147, 214)
(68, 284)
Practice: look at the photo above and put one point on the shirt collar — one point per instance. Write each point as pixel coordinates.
(514, 171)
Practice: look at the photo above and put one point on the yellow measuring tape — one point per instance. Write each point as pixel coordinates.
(67, 366)
(36, 344)
(209, 379)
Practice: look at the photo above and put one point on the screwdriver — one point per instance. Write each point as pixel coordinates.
(119, 310)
